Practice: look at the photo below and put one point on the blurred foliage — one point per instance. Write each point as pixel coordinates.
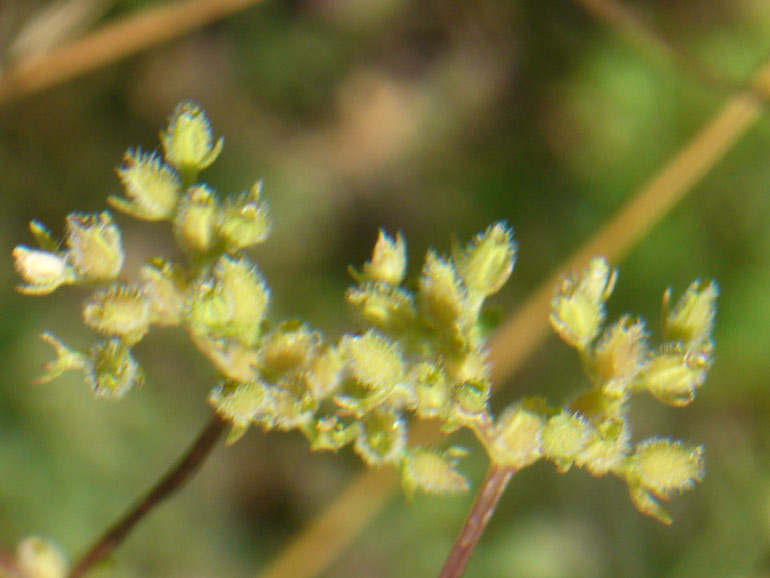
(430, 118)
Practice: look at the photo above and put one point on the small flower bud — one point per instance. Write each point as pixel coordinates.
(113, 370)
(607, 450)
(37, 558)
(289, 347)
(673, 374)
(619, 355)
(470, 400)
(152, 187)
(487, 262)
(294, 406)
(442, 295)
(43, 272)
(120, 311)
(375, 362)
(232, 304)
(95, 248)
(164, 288)
(388, 262)
(383, 305)
(517, 439)
(692, 320)
(188, 143)
(564, 437)
(432, 473)
(196, 220)
(324, 376)
(432, 391)
(382, 439)
(245, 221)
(664, 467)
(241, 403)
(577, 309)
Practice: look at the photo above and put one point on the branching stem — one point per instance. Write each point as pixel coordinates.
(489, 494)
(172, 481)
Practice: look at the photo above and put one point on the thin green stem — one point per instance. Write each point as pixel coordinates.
(174, 479)
(489, 494)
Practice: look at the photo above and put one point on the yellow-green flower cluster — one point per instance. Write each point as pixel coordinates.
(594, 432)
(420, 351)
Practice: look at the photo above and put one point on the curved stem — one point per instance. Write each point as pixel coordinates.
(489, 494)
(172, 481)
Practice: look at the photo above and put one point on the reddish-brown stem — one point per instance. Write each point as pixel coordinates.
(8, 565)
(489, 494)
(172, 481)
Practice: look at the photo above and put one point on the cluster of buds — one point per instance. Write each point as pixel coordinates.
(593, 432)
(419, 353)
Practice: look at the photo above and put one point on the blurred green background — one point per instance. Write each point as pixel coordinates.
(433, 118)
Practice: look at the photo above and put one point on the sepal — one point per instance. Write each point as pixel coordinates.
(66, 359)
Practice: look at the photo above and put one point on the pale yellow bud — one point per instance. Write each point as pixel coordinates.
(324, 376)
(577, 309)
(442, 295)
(42, 271)
(564, 437)
(232, 304)
(95, 248)
(432, 473)
(241, 403)
(188, 143)
(37, 558)
(289, 347)
(664, 467)
(383, 305)
(375, 361)
(164, 289)
(152, 187)
(120, 310)
(692, 320)
(619, 355)
(113, 370)
(673, 374)
(487, 262)
(607, 450)
(432, 390)
(245, 220)
(382, 438)
(517, 440)
(388, 262)
(197, 218)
